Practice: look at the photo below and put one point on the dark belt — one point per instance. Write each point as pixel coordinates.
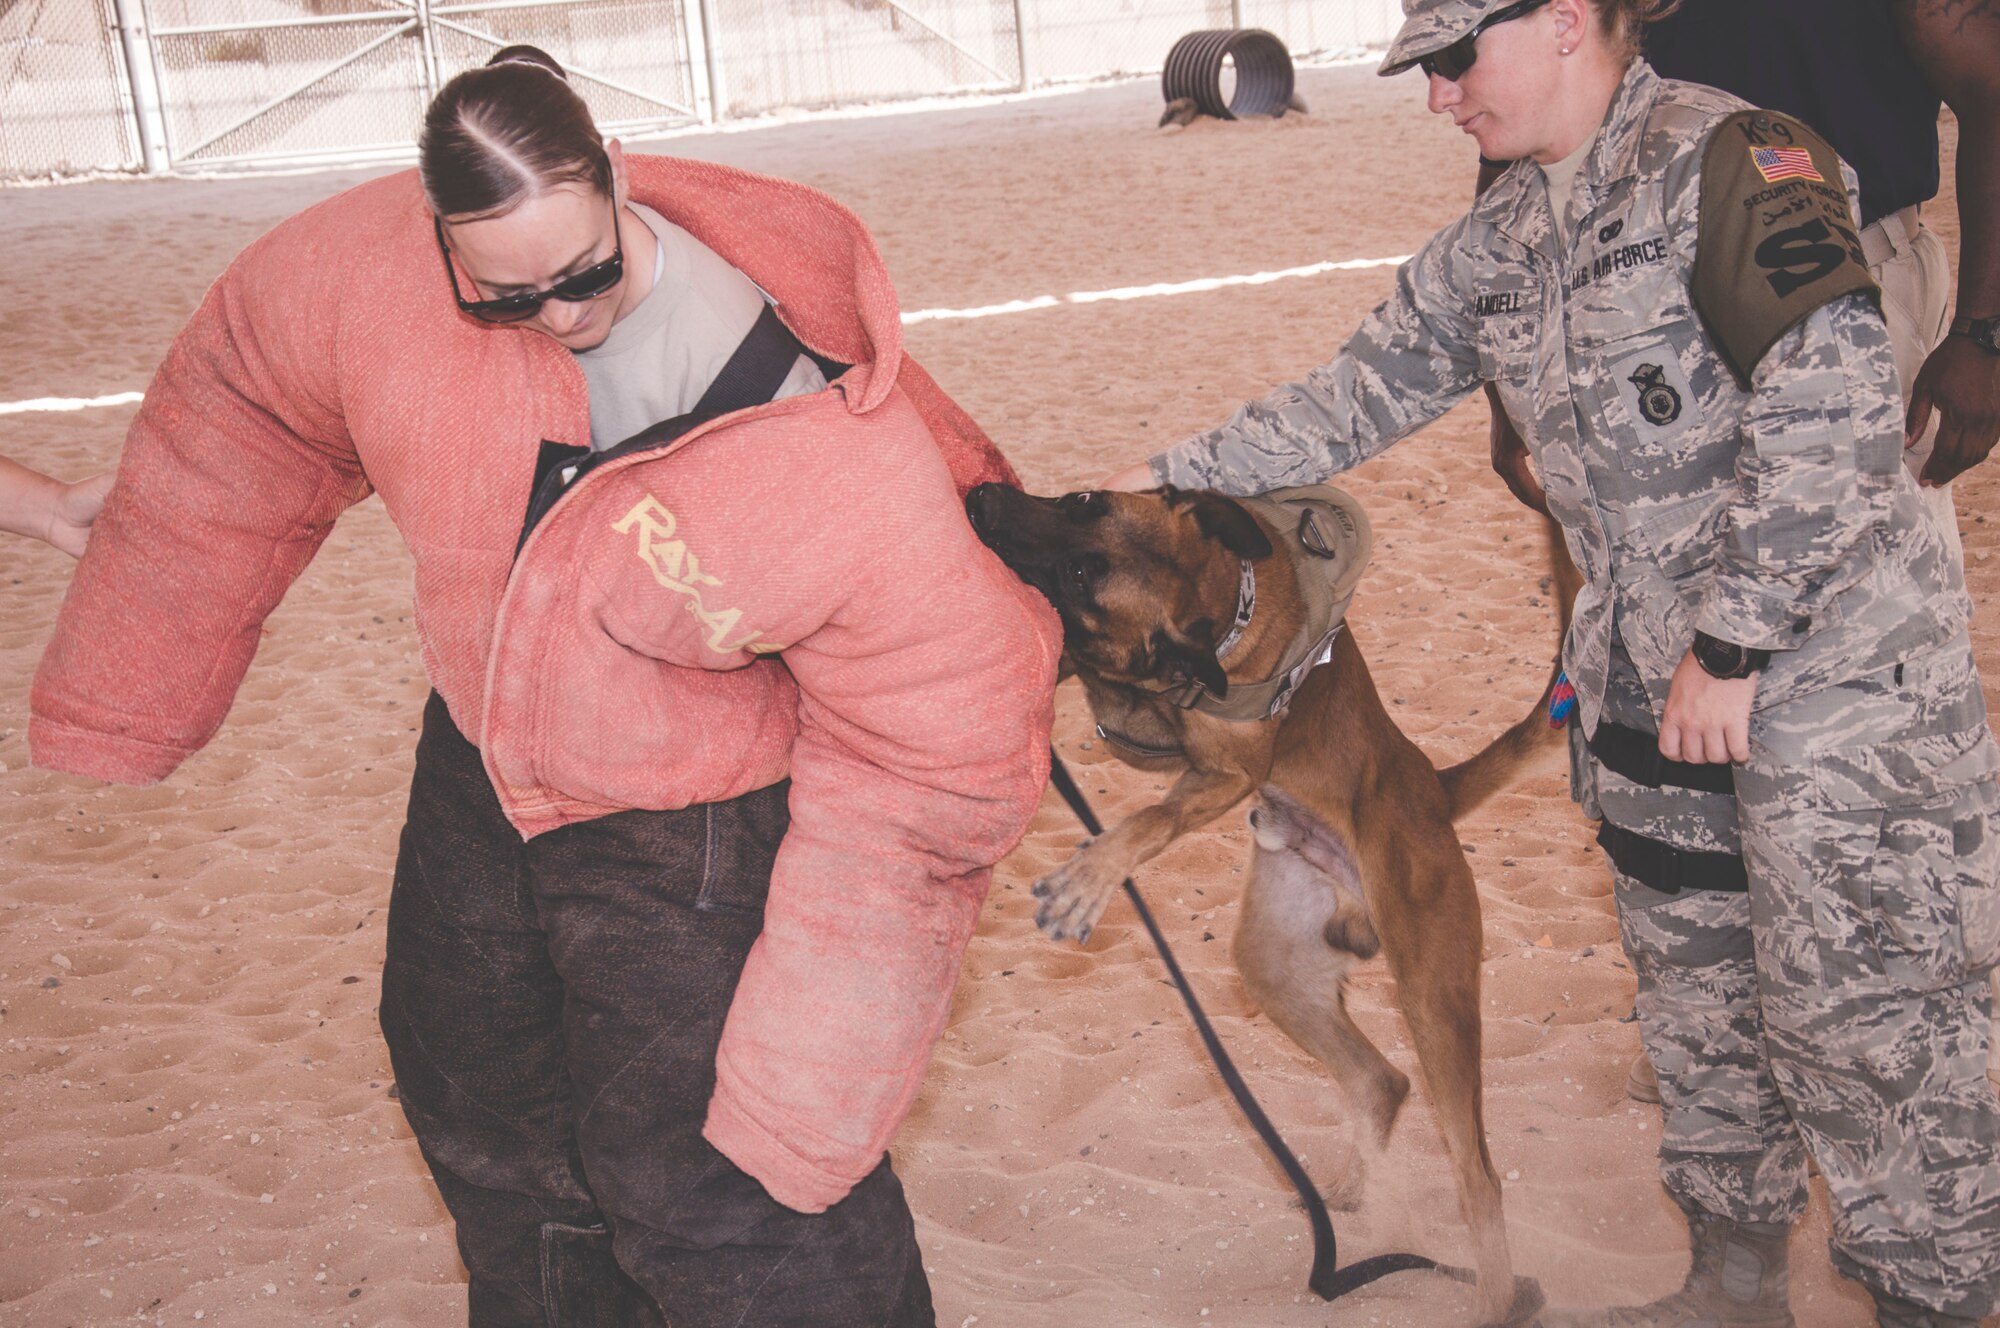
(1668, 869)
(1635, 754)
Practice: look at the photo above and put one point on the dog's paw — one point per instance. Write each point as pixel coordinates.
(1074, 895)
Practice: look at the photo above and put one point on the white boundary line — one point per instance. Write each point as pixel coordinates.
(69, 403)
(1200, 284)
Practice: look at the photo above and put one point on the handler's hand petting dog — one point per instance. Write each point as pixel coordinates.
(1208, 634)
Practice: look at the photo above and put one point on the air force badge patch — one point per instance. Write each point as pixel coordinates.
(1659, 402)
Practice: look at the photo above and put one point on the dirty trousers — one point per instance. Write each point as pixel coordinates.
(1842, 1003)
(552, 1010)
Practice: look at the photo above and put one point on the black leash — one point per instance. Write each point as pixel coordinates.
(1328, 1280)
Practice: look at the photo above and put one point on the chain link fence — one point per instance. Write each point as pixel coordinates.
(65, 100)
(96, 85)
(782, 53)
(241, 79)
(629, 58)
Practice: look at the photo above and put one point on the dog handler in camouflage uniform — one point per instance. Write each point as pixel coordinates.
(1669, 293)
(1869, 75)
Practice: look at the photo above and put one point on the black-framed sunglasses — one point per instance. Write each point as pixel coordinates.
(588, 284)
(1451, 63)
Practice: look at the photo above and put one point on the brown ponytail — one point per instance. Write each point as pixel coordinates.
(1623, 22)
(500, 134)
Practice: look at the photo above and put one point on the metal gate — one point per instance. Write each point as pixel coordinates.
(63, 101)
(242, 81)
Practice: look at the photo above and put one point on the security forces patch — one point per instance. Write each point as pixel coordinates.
(1778, 238)
(1659, 402)
(1657, 412)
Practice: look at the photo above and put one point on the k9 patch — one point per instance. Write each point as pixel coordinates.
(1654, 391)
(1778, 237)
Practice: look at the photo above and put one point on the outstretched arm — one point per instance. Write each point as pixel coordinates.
(1410, 361)
(1956, 43)
(232, 474)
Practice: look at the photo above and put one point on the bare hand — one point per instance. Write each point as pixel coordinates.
(44, 508)
(1708, 719)
(75, 509)
(1132, 479)
(1962, 383)
(1510, 457)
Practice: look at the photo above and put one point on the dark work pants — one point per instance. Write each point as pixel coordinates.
(552, 1010)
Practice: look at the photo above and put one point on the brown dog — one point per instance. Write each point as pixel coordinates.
(1355, 850)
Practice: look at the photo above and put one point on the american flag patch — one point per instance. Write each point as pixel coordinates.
(1776, 164)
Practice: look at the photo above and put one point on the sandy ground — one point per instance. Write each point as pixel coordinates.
(196, 1118)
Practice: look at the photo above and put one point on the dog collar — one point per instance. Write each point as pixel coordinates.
(1133, 747)
(1246, 604)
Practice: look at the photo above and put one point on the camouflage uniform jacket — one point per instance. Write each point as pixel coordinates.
(1775, 514)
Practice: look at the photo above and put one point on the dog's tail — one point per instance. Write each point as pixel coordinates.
(1533, 744)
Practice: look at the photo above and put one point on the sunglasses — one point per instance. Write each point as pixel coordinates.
(1451, 63)
(588, 284)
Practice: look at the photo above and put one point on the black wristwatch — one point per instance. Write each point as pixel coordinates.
(1984, 332)
(1726, 659)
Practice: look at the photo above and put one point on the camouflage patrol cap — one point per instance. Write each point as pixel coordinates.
(1432, 25)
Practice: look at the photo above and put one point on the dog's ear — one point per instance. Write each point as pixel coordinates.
(1176, 659)
(1229, 521)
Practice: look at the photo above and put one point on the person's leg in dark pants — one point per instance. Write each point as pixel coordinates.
(649, 960)
(472, 1013)
(553, 1010)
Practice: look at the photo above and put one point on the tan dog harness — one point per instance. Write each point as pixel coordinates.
(1329, 539)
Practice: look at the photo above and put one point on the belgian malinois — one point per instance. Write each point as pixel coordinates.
(1354, 847)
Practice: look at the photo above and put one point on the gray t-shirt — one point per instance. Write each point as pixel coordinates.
(662, 356)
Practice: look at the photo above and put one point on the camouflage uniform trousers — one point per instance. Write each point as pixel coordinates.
(1841, 1004)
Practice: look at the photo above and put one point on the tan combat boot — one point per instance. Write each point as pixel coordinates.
(1737, 1280)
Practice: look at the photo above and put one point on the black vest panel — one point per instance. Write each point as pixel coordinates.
(1839, 65)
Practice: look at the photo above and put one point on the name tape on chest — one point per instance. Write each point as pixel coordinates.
(1494, 303)
(1778, 238)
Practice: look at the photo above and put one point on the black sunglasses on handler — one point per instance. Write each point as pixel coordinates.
(1451, 62)
(588, 284)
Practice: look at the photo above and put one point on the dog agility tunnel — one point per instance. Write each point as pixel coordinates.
(1263, 72)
